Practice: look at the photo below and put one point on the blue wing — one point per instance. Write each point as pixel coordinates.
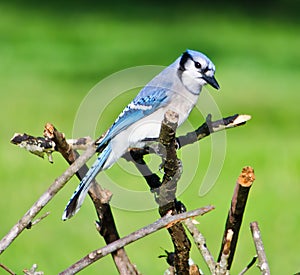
(146, 102)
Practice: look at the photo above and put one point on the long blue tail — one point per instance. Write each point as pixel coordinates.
(77, 199)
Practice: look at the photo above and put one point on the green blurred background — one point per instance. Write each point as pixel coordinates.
(52, 54)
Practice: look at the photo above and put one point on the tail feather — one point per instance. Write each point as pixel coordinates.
(81, 191)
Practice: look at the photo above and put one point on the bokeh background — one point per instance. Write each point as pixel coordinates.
(53, 53)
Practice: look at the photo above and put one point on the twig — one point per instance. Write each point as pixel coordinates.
(58, 183)
(7, 269)
(249, 265)
(210, 127)
(200, 241)
(41, 145)
(31, 224)
(163, 222)
(262, 259)
(99, 196)
(235, 214)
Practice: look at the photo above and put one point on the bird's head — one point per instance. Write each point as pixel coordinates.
(196, 70)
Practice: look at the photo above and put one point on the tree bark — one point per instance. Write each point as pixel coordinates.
(236, 211)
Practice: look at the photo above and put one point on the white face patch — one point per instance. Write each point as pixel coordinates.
(192, 81)
(210, 73)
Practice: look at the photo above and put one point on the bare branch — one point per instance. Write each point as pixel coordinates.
(235, 214)
(100, 197)
(210, 127)
(58, 183)
(31, 224)
(8, 270)
(153, 180)
(41, 146)
(200, 241)
(171, 164)
(167, 191)
(262, 259)
(52, 141)
(164, 222)
(36, 146)
(249, 265)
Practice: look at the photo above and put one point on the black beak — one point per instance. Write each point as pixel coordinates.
(211, 81)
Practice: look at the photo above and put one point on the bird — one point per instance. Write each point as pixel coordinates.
(175, 88)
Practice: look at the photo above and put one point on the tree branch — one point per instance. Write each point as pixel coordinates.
(262, 259)
(164, 222)
(235, 214)
(58, 183)
(209, 127)
(200, 241)
(8, 270)
(249, 265)
(155, 184)
(100, 198)
(38, 147)
(41, 146)
(171, 164)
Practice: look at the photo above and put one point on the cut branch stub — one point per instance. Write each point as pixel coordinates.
(236, 211)
(209, 127)
(171, 164)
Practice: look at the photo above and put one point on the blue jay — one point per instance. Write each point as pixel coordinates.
(176, 88)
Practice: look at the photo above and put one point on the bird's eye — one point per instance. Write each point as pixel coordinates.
(197, 65)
